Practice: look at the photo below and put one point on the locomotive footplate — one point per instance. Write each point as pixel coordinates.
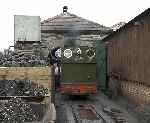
(78, 89)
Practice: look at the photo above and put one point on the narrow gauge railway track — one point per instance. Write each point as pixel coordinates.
(86, 114)
(83, 110)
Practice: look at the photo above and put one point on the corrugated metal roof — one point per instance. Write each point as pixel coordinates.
(134, 22)
(68, 21)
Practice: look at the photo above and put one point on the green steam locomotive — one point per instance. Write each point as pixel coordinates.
(78, 71)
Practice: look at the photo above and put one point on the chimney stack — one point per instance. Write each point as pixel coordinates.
(65, 8)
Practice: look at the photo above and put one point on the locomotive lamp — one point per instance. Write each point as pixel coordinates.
(58, 53)
(68, 53)
(79, 51)
(78, 55)
(90, 54)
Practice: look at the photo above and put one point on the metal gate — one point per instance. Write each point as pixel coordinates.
(101, 64)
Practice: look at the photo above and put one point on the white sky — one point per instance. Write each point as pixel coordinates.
(106, 12)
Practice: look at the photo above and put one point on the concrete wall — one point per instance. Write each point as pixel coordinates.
(27, 28)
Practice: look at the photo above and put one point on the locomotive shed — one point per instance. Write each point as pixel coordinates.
(90, 109)
(77, 71)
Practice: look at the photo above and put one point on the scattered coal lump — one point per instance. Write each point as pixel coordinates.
(16, 111)
(13, 59)
(21, 88)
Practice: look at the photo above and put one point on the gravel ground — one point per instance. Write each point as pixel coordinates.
(140, 112)
(60, 110)
(100, 101)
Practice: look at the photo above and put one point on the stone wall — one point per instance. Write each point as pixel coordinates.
(136, 91)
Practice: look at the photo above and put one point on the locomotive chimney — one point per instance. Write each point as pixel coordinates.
(65, 8)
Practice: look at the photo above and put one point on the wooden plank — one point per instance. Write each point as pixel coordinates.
(39, 75)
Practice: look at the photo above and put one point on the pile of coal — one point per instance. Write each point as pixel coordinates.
(21, 88)
(13, 59)
(16, 111)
